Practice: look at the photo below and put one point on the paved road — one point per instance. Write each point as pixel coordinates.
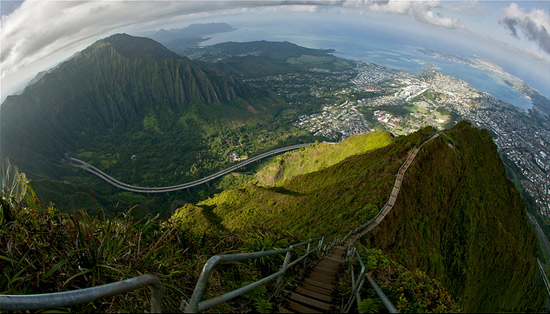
(140, 189)
(541, 234)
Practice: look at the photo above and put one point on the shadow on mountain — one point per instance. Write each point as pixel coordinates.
(208, 213)
(282, 190)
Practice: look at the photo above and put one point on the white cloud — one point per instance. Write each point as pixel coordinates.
(535, 26)
(422, 11)
(392, 6)
(46, 32)
(49, 31)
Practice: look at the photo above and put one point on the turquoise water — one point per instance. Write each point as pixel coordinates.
(381, 49)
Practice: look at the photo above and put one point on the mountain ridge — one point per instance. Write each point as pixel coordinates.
(111, 83)
(449, 219)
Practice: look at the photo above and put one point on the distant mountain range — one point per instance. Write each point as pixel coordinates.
(126, 96)
(182, 39)
(107, 89)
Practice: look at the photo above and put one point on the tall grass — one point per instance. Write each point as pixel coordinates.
(42, 250)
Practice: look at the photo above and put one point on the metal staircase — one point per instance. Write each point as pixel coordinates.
(315, 293)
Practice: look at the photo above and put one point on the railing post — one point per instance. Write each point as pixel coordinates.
(285, 266)
(193, 305)
(156, 298)
(307, 252)
(319, 247)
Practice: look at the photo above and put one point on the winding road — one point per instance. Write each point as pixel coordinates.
(140, 189)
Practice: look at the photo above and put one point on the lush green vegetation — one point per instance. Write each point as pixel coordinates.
(411, 291)
(317, 157)
(461, 220)
(126, 96)
(458, 218)
(464, 226)
(44, 250)
(350, 191)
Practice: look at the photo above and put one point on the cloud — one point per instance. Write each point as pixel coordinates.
(422, 11)
(38, 29)
(39, 34)
(535, 26)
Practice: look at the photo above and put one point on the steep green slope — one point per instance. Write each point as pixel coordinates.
(317, 157)
(47, 251)
(325, 202)
(458, 217)
(461, 220)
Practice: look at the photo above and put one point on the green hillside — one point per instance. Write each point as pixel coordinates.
(456, 239)
(458, 218)
(461, 220)
(348, 192)
(317, 157)
(126, 96)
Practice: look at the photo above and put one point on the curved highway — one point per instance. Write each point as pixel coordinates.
(140, 189)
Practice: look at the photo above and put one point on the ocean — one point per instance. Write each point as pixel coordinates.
(381, 49)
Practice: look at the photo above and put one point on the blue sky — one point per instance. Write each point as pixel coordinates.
(36, 35)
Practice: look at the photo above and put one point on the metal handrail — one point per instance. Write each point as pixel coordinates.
(357, 284)
(67, 298)
(195, 305)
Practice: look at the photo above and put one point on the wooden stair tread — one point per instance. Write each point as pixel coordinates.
(314, 294)
(322, 277)
(328, 271)
(319, 284)
(310, 301)
(295, 306)
(284, 310)
(317, 289)
(331, 262)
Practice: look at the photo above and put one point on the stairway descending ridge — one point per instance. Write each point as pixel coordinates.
(317, 292)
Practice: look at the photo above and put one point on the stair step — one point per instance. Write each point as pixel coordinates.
(295, 306)
(334, 259)
(317, 289)
(327, 271)
(327, 268)
(309, 301)
(313, 294)
(322, 277)
(319, 284)
(284, 310)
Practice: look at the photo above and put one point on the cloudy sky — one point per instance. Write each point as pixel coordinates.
(36, 35)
